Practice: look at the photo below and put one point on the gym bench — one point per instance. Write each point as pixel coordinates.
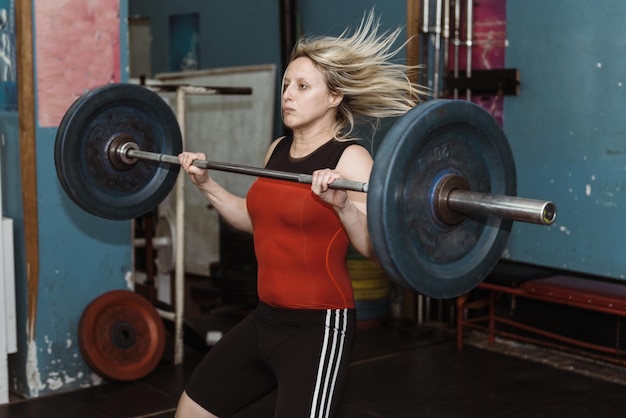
(583, 293)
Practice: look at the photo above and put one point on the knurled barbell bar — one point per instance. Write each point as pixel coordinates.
(452, 199)
(441, 196)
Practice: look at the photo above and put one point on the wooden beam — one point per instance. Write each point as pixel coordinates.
(28, 160)
(412, 28)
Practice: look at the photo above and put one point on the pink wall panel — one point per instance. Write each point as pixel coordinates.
(77, 45)
(489, 46)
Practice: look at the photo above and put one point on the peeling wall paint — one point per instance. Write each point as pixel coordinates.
(129, 277)
(32, 370)
(566, 129)
(57, 374)
(80, 256)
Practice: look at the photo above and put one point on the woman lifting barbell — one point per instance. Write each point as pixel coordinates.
(299, 338)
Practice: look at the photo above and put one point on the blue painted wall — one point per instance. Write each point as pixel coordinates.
(232, 33)
(246, 32)
(80, 257)
(567, 130)
(327, 17)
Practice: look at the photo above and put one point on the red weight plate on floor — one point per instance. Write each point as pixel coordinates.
(121, 336)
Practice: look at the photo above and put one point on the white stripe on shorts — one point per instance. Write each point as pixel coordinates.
(330, 361)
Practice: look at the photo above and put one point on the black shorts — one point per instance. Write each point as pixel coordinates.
(305, 354)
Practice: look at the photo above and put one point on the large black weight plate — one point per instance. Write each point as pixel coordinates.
(82, 161)
(438, 138)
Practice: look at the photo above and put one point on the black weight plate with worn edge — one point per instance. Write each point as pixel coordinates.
(81, 151)
(438, 138)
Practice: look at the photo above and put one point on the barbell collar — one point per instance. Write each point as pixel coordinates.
(502, 206)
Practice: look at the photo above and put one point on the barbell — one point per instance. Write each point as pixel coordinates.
(441, 196)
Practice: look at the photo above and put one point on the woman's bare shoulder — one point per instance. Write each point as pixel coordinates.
(272, 147)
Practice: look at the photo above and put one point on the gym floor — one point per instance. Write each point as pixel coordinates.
(398, 371)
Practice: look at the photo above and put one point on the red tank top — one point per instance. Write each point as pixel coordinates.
(299, 242)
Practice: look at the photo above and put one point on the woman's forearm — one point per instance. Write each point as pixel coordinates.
(232, 208)
(355, 223)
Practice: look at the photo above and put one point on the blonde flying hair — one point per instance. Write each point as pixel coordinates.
(360, 67)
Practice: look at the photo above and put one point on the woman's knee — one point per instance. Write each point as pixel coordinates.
(188, 408)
